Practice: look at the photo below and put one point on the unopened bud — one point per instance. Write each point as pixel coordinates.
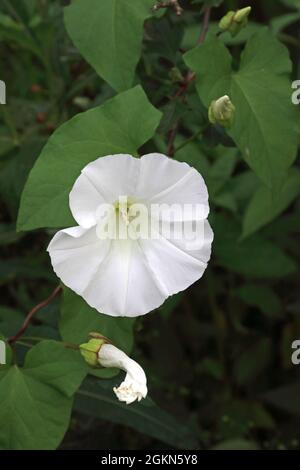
(222, 112)
(175, 75)
(83, 102)
(242, 15)
(235, 21)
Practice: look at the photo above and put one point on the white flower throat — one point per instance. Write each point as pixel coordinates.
(123, 220)
(122, 207)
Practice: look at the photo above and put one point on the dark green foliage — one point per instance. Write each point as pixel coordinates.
(217, 356)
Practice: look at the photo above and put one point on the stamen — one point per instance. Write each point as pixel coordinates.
(122, 205)
(124, 215)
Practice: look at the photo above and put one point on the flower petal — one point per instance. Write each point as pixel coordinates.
(102, 181)
(194, 238)
(84, 201)
(112, 276)
(174, 183)
(76, 254)
(174, 265)
(124, 285)
(113, 175)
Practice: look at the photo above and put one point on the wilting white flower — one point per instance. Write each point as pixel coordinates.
(125, 272)
(134, 387)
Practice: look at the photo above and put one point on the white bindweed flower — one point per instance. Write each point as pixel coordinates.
(142, 233)
(134, 387)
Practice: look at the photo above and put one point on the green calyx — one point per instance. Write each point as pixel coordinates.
(235, 21)
(90, 350)
(175, 75)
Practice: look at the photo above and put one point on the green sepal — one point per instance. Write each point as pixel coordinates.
(90, 351)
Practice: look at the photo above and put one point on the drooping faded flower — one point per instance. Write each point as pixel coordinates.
(142, 233)
(134, 386)
(99, 352)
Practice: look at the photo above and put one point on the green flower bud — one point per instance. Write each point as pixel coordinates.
(90, 350)
(227, 20)
(235, 21)
(242, 15)
(82, 102)
(175, 75)
(222, 111)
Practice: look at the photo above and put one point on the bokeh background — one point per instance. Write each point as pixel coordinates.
(218, 356)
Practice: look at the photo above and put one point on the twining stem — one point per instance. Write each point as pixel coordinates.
(189, 78)
(190, 139)
(205, 25)
(171, 139)
(32, 312)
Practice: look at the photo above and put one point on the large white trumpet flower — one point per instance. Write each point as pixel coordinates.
(117, 267)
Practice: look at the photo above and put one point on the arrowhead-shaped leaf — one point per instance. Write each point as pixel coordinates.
(264, 128)
(36, 400)
(109, 33)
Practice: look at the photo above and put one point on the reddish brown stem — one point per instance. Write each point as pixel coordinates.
(32, 312)
(205, 25)
(190, 76)
(171, 139)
